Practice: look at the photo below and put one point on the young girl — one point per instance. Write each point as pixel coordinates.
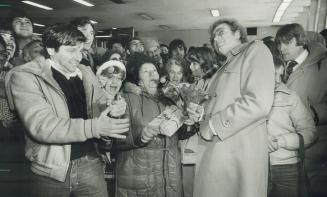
(288, 118)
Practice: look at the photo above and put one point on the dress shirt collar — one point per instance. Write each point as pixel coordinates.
(300, 59)
(56, 66)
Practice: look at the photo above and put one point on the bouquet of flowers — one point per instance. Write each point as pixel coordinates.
(184, 93)
(173, 117)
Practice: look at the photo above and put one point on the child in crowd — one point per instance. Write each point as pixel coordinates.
(33, 50)
(288, 119)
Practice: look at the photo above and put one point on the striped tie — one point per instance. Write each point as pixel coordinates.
(289, 69)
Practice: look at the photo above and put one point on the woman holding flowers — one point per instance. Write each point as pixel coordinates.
(202, 65)
(149, 163)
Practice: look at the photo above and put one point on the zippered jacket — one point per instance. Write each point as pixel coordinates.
(288, 117)
(41, 106)
(151, 169)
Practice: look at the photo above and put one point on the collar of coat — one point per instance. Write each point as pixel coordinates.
(236, 50)
(317, 52)
(41, 68)
(137, 90)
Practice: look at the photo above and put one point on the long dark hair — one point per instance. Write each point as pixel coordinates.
(207, 60)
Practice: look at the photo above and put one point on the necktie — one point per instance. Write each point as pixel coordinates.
(289, 69)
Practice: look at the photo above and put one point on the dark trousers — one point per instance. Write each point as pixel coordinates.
(283, 180)
(85, 178)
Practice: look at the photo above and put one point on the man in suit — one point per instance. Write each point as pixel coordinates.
(306, 74)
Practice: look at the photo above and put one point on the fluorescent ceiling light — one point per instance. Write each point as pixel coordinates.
(5, 5)
(279, 13)
(93, 22)
(215, 13)
(145, 16)
(284, 5)
(37, 5)
(84, 3)
(281, 10)
(105, 36)
(114, 28)
(100, 31)
(38, 24)
(37, 34)
(276, 20)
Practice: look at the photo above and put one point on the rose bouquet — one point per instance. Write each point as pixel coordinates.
(174, 116)
(183, 94)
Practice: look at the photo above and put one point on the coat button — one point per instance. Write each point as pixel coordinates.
(226, 123)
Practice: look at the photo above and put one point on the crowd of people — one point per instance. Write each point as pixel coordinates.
(261, 131)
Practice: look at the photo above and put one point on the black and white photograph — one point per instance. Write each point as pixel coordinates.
(163, 98)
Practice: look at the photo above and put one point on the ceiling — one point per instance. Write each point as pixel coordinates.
(176, 14)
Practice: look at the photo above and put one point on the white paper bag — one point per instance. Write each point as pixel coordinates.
(168, 122)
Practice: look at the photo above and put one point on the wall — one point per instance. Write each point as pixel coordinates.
(197, 37)
(313, 18)
(194, 37)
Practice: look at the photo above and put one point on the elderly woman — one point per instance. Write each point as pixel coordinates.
(149, 164)
(175, 70)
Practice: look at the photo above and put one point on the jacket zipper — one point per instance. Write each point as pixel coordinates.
(91, 102)
(165, 151)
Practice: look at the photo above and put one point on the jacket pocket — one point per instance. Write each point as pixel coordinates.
(282, 100)
(232, 69)
(136, 182)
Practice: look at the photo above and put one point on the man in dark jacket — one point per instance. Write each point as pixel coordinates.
(306, 73)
